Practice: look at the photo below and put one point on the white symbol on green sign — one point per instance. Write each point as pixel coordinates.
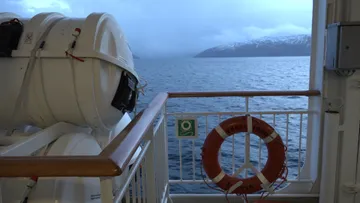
(186, 128)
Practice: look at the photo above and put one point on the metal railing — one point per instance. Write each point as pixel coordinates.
(148, 176)
(148, 179)
(290, 124)
(256, 145)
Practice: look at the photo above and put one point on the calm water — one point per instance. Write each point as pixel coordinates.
(224, 74)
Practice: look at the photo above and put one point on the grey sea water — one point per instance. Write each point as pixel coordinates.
(228, 74)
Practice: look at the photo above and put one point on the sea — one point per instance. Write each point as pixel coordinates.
(228, 74)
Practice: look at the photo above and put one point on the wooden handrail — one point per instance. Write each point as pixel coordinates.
(111, 161)
(54, 166)
(123, 147)
(57, 166)
(243, 94)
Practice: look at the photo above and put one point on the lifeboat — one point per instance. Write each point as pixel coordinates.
(73, 78)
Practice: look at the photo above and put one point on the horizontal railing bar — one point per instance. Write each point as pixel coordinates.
(57, 166)
(195, 197)
(239, 113)
(244, 93)
(202, 181)
(292, 195)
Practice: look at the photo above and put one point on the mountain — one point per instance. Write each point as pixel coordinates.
(296, 45)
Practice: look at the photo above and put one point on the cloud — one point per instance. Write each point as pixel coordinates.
(280, 30)
(162, 28)
(33, 6)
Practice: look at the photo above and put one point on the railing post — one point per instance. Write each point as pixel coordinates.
(247, 139)
(106, 190)
(166, 153)
(1, 197)
(150, 167)
(329, 171)
(161, 157)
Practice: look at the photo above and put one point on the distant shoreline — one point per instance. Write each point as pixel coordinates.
(248, 56)
(294, 45)
(187, 58)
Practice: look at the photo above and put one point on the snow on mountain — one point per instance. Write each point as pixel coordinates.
(296, 45)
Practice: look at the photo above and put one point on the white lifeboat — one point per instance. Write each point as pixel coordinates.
(77, 70)
(64, 78)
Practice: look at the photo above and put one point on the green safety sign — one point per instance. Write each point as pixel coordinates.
(186, 128)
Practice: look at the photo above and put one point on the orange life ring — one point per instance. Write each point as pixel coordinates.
(272, 170)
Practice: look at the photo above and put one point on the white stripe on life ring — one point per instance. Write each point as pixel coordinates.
(233, 187)
(219, 177)
(265, 183)
(262, 178)
(221, 132)
(249, 124)
(270, 138)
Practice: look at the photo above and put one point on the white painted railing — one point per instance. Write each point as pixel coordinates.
(291, 125)
(148, 176)
(296, 146)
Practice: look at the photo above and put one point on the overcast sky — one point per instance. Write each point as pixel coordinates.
(175, 28)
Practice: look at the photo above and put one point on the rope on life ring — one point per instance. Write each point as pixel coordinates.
(273, 169)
